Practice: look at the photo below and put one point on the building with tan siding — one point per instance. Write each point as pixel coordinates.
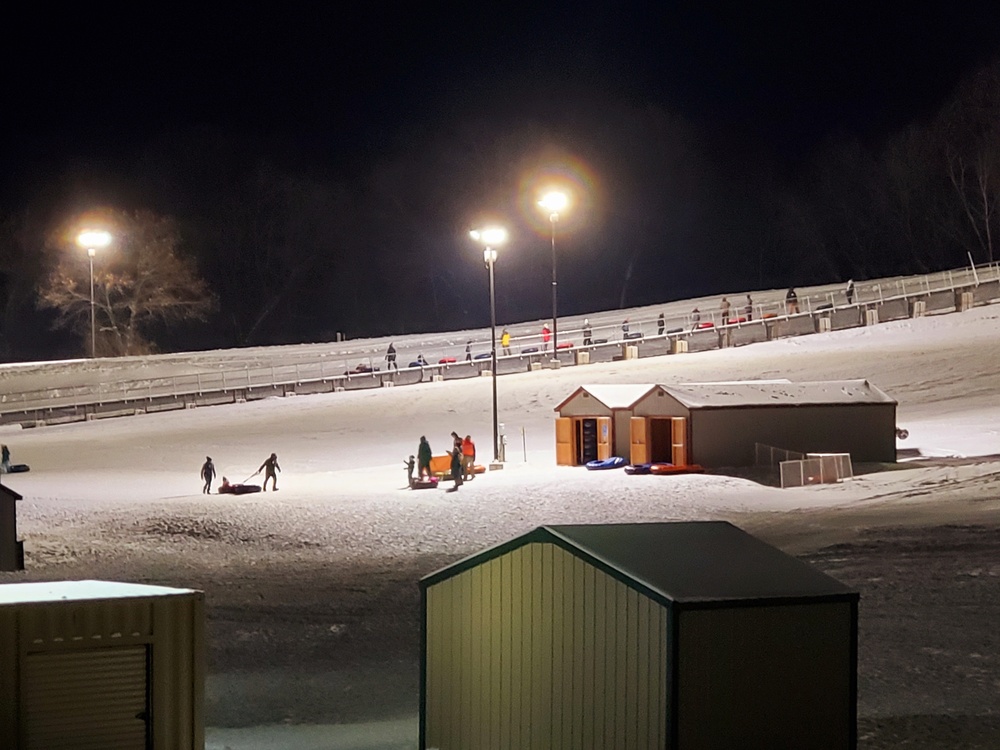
(658, 635)
(719, 424)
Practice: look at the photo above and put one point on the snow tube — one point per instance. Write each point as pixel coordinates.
(638, 469)
(484, 355)
(17, 468)
(478, 469)
(674, 330)
(667, 469)
(530, 350)
(734, 321)
(615, 462)
(446, 361)
(565, 345)
(238, 489)
(424, 484)
(417, 364)
(600, 341)
(706, 324)
(825, 306)
(632, 335)
(770, 315)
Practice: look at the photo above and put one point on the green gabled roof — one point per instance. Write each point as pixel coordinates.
(686, 563)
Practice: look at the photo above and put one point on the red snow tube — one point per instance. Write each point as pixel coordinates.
(706, 324)
(446, 361)
(665, 469)
(565, 345)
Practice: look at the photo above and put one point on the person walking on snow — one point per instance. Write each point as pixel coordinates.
(468, 350)
(505, 342)
(546, 335)
(588, 333)
(269, 467)
(4, 459)
(660, 325)
(208, 474)
(724, 307)
(390, 358)
(849, 292)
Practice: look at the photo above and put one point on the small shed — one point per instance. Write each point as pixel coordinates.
(725, 421)
(594, 423)
(655, 635)
(11, 549)
(101, 664)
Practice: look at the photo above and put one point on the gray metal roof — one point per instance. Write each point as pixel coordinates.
(776, 393)
(693, 563)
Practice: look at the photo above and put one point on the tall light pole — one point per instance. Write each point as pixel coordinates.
(491, 237)
(91, 240)
(554, 202)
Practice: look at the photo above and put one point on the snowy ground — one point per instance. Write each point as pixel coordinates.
(312, 599)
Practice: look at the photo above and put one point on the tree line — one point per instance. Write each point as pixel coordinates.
(221, 240)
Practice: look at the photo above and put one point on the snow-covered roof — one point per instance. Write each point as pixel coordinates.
(613, 396)
(63, 591)
(776, 393)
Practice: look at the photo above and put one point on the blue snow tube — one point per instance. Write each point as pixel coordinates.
(638, 469)
(615, 462)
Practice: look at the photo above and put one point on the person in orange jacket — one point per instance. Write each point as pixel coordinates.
(468, 456)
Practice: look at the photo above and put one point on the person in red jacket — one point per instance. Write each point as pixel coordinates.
(546, 335)
(468, 456)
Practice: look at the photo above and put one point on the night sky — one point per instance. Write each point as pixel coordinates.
(682, 114)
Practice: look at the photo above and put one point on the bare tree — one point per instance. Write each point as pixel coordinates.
(141, 281)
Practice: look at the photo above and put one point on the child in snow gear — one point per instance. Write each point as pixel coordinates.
(505, 342)
(208, 474)
(269, 467)
(410, 463)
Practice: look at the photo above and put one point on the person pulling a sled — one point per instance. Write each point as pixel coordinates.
(423, 458)
(270, 467)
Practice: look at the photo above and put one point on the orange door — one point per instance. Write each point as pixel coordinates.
(638, 440)
(678, 442)
(603, 438)
(564, 442)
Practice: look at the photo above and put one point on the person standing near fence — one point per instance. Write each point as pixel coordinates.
(849, 291)
(724, 307)
(505, 342)
(791, 301)
(546, 335)
(390, 358)
(587, 333)
(748, 308)
(661, 324)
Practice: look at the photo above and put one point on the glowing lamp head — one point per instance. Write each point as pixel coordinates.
(489, 236)
(92, 239)
(554, 202)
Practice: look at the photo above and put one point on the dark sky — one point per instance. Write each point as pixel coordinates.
(92, 83)
(345, 84)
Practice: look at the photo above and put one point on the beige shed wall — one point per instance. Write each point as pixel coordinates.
(584, 405)
(726, 437)
(767, 677)
(538, 649)
(659, 404)
(621, 434)
(172, 625)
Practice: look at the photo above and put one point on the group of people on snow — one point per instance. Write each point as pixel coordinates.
(270, 468)
(463, 459)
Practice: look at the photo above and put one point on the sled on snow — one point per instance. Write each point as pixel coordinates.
(16, 469)
(615, 462)
(426, 483)
(238, 489)
(670, 469)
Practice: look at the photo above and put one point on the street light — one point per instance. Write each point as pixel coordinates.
(491, 237)
(91, 240)
(554, 202)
